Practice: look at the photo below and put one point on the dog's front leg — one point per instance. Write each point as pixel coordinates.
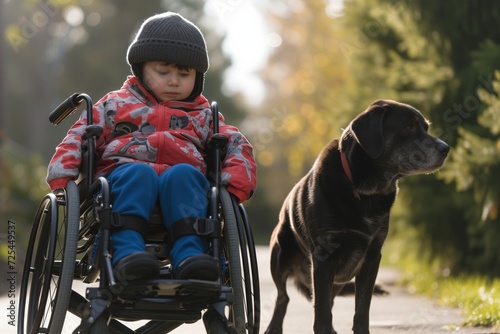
(365, 282)
(323, 273)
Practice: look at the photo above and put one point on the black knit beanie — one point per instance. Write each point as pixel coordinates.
(170, 38)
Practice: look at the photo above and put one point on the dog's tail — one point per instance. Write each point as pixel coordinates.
(349, 289)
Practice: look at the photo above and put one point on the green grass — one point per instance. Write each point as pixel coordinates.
(478, 297)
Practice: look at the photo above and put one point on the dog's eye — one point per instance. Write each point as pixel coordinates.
(410, 126)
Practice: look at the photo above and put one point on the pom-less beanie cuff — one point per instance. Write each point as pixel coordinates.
(169, 51)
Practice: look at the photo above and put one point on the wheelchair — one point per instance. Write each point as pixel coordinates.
(70, 241)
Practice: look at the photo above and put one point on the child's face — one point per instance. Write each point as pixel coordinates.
(169, 82)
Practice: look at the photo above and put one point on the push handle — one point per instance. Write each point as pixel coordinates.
(66, 108)
(215, 116)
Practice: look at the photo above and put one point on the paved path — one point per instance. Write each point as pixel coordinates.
(398, 312)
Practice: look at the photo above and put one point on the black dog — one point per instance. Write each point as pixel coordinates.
(334, 221)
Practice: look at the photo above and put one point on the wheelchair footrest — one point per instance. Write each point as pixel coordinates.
(180, 316)
(167, 300)
(180, 290)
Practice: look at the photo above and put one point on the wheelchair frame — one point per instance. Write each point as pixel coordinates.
(65, 228)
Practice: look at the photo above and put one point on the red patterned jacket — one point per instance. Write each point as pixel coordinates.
(139, 129)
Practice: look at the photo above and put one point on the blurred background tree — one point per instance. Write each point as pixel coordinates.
(424, 53)
(329, 59)
(436, 57)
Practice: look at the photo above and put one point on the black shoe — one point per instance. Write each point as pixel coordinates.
(137, 266)
(201, 266)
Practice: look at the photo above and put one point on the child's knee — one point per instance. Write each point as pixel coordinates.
(134, 189)
(183, 193)
(138, 170)
(184, 169)
(134, 173)
(182, 175)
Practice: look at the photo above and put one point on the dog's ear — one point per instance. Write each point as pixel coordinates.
(367, 128)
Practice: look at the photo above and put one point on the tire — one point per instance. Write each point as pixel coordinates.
(242, 276)
(234, 278)
(50, 264)
(250, 269)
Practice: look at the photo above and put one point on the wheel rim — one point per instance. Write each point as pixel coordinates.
(38, 267)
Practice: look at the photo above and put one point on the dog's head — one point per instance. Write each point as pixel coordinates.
(394, 135)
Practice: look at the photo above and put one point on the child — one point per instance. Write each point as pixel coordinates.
(153, 147)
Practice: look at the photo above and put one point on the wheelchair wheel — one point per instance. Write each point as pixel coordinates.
(250, 269)
(50, 264)
(242, 314)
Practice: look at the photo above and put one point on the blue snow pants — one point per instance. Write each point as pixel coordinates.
(181, 191)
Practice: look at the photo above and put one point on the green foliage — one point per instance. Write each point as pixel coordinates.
(480, 299)
(474, 167)
(22, 185)
(440, 59)
(305, 106)
(443, 65)
(477, 296)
